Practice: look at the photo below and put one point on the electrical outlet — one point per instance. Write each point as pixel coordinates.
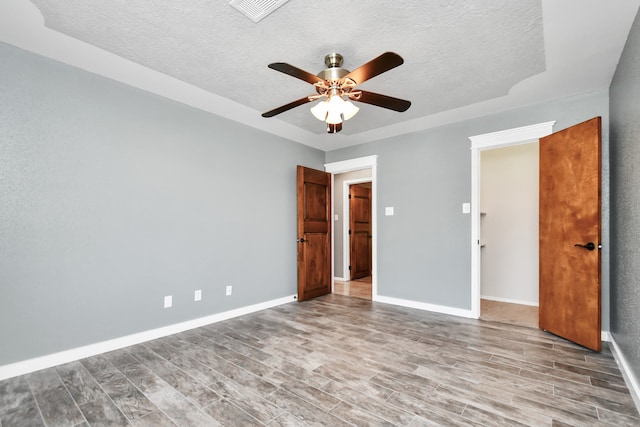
(197, 295)
(229, 290)
(168, 301)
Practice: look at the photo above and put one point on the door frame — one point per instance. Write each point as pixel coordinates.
(346, 243)
(488, 141)
(368, 162)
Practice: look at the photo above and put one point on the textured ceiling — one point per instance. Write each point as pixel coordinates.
(462, 58)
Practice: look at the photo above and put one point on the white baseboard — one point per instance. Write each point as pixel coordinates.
(43, 362)
(511, 301)
(605, 336)
(340, 279)
(628, 375)
(424, 306)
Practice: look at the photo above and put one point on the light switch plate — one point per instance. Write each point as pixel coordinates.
(466, 208)
(168, 301)
(197, 295)
(388, 211)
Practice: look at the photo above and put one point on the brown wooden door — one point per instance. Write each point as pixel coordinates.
(569, 216)
(314, 233)
(359, 231)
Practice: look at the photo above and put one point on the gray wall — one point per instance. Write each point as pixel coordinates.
(625, 205)
(424, 251)
(112, 198)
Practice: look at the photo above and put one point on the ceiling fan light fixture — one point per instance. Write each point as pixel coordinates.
(320, 110)
(335, 87)
(334, 116)
(334, 128)
(349, 110)
(335, 102)
(334, 110)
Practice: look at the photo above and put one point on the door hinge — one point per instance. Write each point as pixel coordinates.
(349, 195)
(349, 268)
(349, 232)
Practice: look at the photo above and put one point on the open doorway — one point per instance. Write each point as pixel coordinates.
(509, 179)
(356, 236)
(482, 220)
(359, 173)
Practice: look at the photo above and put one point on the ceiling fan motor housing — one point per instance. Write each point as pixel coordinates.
(334, 70)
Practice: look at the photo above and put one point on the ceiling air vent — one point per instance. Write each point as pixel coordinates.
(257, 9)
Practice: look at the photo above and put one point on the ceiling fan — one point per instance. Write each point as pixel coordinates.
(335, 86)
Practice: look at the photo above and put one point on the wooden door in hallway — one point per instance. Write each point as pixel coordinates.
(314, 233)
(570, 212)
(359, 231)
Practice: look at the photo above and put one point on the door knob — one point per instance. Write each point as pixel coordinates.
(589, 246)
(301, 240)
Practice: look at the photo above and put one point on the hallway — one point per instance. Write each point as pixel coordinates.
(358, 288)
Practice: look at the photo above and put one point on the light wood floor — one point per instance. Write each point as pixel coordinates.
(359, 288)
(516, 314)
(492, 311)
(332, 361)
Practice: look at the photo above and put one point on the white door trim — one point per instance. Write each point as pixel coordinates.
(504, 138)
(369, 162)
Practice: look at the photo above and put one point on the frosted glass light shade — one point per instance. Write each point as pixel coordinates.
(334, 117)
(334, 110)
(349, 110)
(320, 110)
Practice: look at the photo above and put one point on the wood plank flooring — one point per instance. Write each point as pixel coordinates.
(516, 314)
(333, 361)
(359, 288)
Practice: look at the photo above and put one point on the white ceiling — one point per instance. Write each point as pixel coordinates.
(463, 58)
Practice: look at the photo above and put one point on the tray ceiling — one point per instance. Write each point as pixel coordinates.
(462, 58)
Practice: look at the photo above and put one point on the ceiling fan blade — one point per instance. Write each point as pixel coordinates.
(383, 101)
(376, 66)
(286, 107)
(296, 72)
